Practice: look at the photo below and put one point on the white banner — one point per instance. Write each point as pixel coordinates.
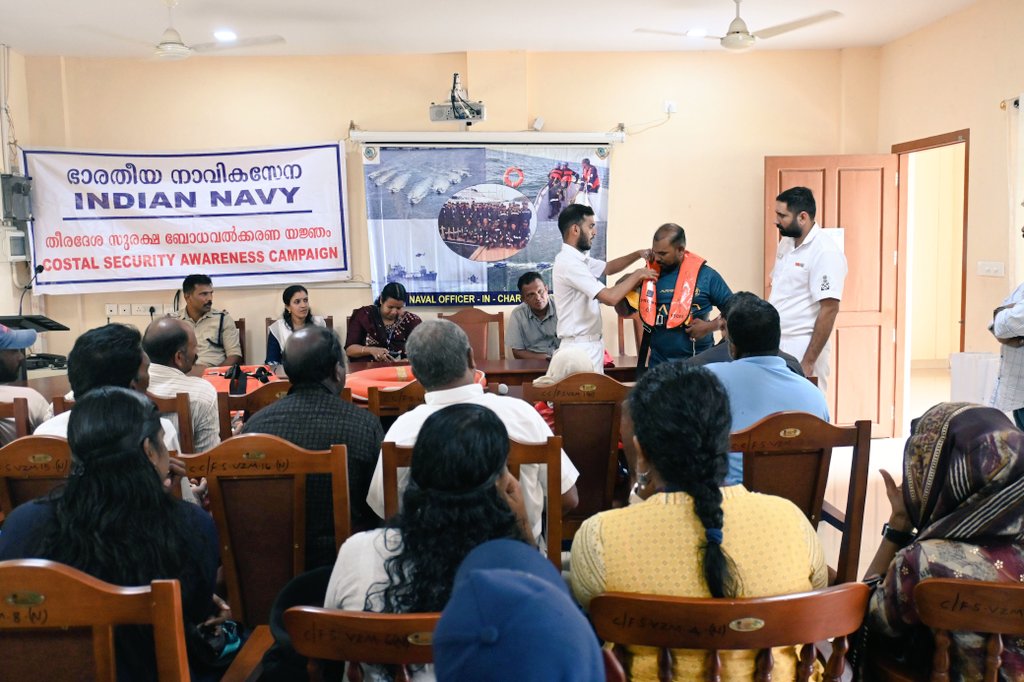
(136, 221)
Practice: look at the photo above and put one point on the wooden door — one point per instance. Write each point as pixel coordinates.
(860, 194)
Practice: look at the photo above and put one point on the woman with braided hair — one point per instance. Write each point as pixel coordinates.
(690, 536)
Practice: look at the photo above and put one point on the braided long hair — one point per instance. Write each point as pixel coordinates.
(682, 420)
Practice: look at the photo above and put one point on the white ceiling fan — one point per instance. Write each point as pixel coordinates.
(738, 37)
(172, 47)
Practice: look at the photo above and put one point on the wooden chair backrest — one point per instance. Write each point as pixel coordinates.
(31, 467)
(257, 488)
(250, 403)
(59, 623)
(392, 403)
(638, 332)
(723, 624)
(476, 324)
(992, 609)
(588, 408)
(328, 320)
(549, 453)
(240, 326)
(61, 404)
(17, 410)
(346, 395)
(196, 465)
(789, 453)
(361, 637)
(181, 407)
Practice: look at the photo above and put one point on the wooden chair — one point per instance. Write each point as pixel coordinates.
(61, 404)
(59, 623)
(17, 410)
(788, 454)
(476, 324)
(361, 637)
(240, 326)
(946, 605)
(250, 403)
(638, 332)
(722, 624)
(392, 403)
(549, 453)
(257, 487)
(31, 467)
(588, 408)
(180, 406)
(328, 320)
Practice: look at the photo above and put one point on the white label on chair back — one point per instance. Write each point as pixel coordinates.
(40, 458)
(746, 624)
(587, 388)
(791, 432)
(25, 599)
(254, 455)
(421, 638)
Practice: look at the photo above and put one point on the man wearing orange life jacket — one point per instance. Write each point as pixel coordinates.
(590, 181)
(675, 307)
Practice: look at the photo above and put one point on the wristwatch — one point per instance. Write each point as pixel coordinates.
(900, 538)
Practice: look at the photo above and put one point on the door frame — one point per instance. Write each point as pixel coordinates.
(903, 151)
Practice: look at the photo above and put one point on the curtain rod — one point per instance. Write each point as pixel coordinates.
(1015, 101)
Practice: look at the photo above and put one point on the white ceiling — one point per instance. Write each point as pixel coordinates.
(129, 28)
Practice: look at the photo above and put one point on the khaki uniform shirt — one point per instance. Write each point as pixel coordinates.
(216, 339)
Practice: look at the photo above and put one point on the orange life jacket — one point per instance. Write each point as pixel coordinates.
(591, 178)
(682, 296)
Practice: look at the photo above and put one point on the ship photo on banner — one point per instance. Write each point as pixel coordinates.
(458, 225)
(122, 221)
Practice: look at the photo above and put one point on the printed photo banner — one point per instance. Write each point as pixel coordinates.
(458, 225)
(137, 221)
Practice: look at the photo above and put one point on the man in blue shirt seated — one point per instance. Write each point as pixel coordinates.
(675, 308)
(757, 380)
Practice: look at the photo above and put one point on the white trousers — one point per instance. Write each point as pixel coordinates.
(797, 346)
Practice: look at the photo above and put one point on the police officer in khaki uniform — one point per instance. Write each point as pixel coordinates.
(216, 335)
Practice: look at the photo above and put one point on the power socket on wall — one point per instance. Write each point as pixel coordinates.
(991, 268)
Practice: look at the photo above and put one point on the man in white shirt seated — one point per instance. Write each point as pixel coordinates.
(171, 347)
(13, 343)
(442, 361)
(111, 355)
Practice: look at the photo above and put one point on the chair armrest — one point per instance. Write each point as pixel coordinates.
(833, 516)
(248, 664)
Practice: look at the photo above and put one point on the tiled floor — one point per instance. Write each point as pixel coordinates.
(927, 387)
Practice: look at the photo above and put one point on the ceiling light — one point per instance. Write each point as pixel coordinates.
(225, 35)
(696, 33)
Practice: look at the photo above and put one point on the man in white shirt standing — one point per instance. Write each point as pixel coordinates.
(1008, 328)
(580, 292)
(807, 283)
(171, 346)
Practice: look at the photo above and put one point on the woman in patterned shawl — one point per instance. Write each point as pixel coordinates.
(963, 485)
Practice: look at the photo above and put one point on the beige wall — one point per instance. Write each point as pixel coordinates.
(935, 217)
(949, 76)
(703, 168)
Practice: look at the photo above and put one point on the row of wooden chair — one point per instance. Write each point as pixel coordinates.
(48, 607)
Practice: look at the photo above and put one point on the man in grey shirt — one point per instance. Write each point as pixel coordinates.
(532, 326)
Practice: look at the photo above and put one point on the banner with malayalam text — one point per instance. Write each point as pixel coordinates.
(122, 221)
(459, 224)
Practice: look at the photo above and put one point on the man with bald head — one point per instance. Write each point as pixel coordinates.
(171, 346)
(313, 416)
(676, 306)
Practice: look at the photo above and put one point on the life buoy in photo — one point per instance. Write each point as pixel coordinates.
(388, 379)
(514, 177)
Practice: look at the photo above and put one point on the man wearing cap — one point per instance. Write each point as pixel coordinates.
(510, 618)
(216, 333)
(13, 343)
